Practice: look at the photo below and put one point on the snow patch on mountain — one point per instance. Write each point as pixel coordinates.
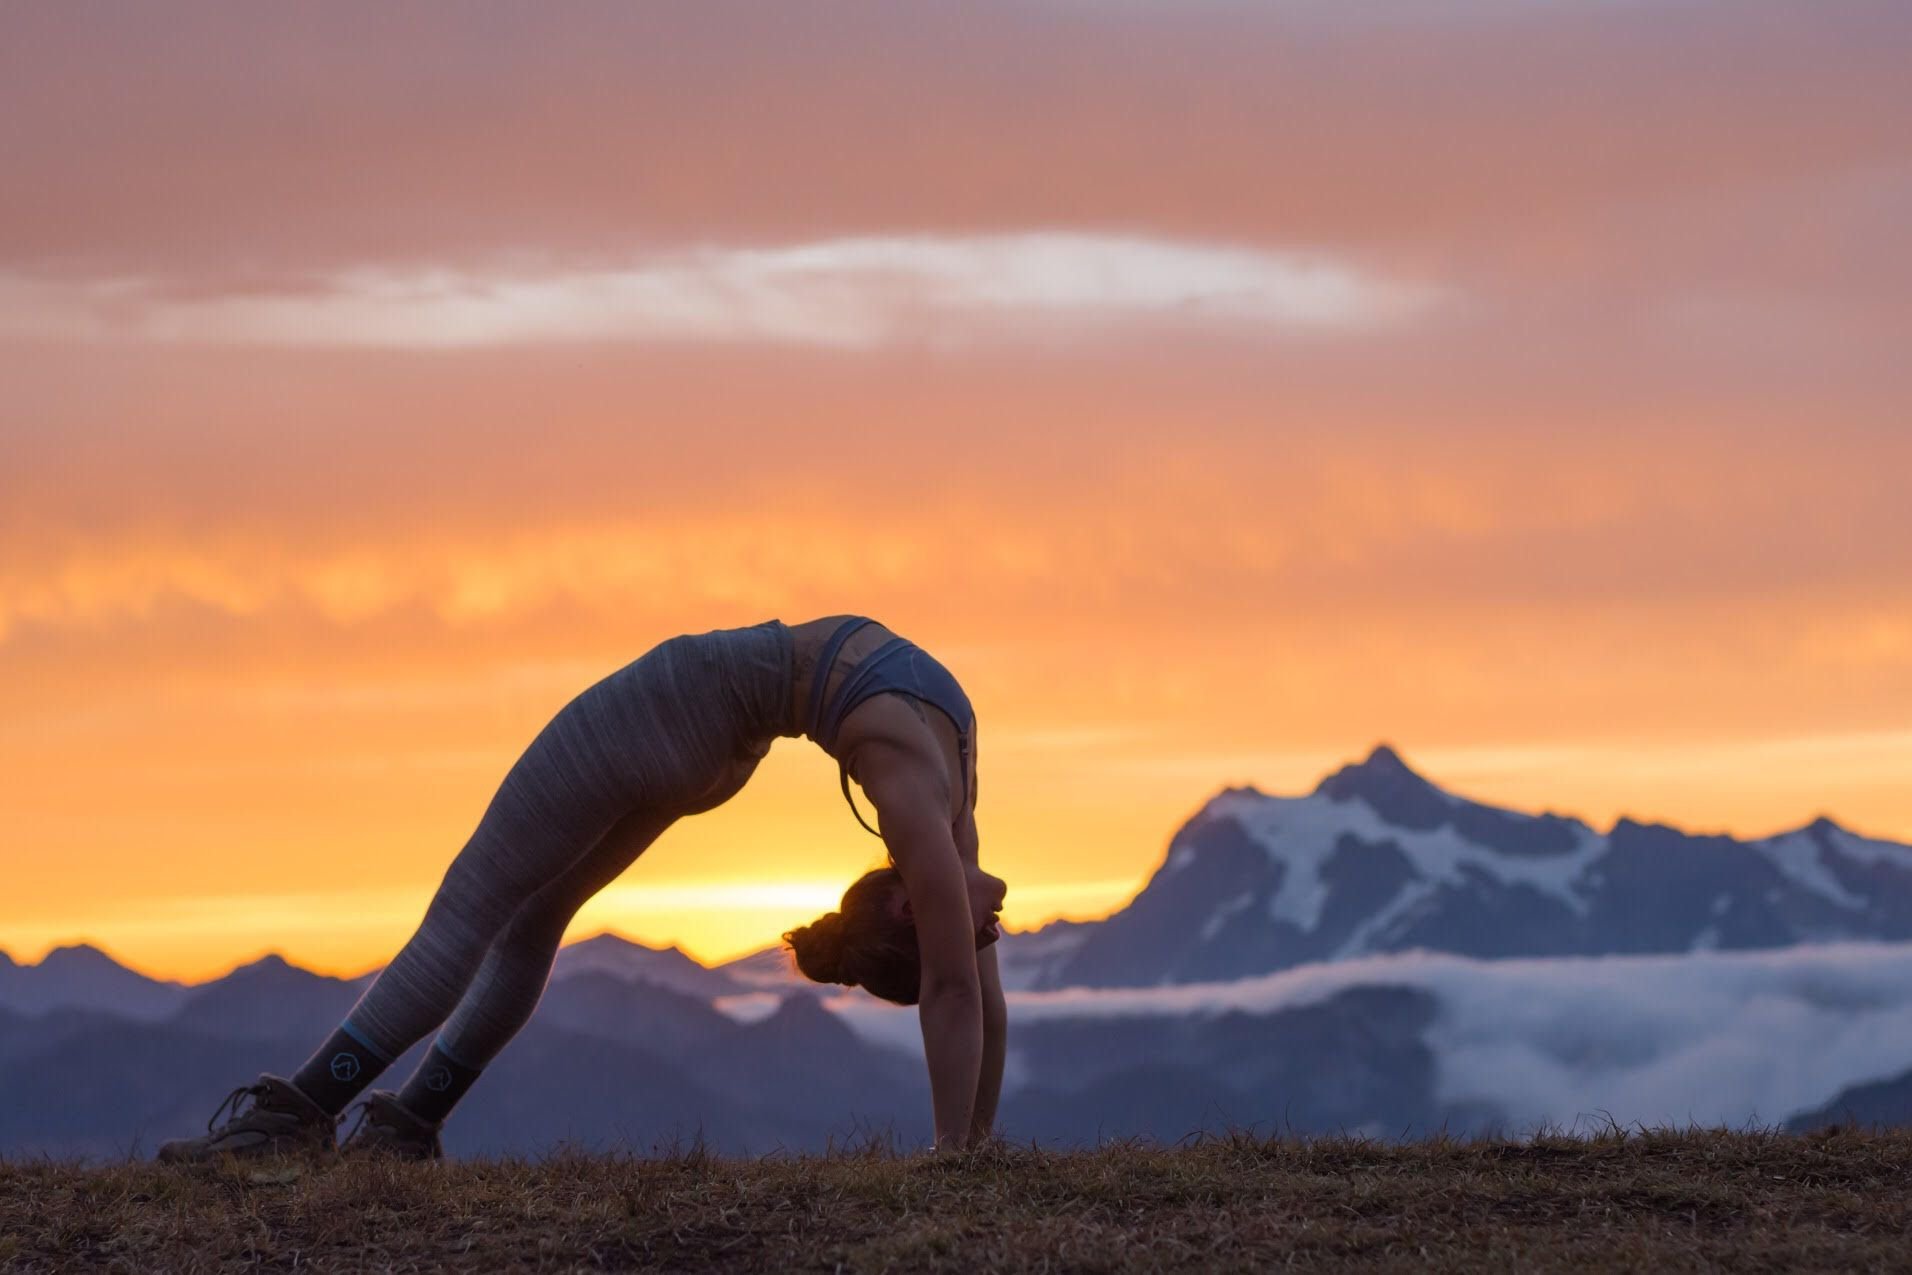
(1302, 833)
(1214, 924)
(1866, 850)
(1799, 856)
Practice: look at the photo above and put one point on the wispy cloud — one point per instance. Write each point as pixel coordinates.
(848, 293)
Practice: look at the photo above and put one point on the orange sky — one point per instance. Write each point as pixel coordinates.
(1217, 389)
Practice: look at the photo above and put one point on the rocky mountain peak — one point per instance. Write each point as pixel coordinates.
(78, 956)
(1383, 768)
(1391, 788)
(613, 954)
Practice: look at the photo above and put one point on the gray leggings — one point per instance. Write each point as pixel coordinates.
(676, 732)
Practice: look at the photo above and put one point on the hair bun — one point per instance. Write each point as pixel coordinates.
(818, 947)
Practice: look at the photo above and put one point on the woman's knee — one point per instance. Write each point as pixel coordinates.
(467, 903)
(531, 928)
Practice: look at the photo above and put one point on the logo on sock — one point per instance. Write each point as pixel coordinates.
(345, 1066)
(438, 1079)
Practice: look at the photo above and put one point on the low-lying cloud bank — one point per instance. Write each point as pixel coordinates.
(1712, 1038)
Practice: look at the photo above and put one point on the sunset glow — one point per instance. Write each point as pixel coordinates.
(1217, 390)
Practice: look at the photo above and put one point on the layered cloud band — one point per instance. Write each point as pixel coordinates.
(845, 293)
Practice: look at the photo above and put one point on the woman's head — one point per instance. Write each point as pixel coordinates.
(870, 941)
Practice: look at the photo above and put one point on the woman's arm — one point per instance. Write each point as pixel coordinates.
(911, 797)
(995, 1013)
(995, 1046)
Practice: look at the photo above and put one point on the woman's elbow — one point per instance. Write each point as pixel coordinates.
(951, 989)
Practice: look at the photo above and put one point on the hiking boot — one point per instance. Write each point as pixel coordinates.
(385, 1127)
(279, 1121)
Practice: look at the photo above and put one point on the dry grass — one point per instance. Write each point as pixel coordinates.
(1642, 1201)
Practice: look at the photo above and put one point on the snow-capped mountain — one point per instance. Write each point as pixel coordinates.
(1377, 859)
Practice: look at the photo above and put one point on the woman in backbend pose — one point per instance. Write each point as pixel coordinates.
(674, 733)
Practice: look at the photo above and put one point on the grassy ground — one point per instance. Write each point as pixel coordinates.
(1645, 1201)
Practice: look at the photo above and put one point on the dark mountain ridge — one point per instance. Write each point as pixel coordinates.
(629, 1051)
(81, 976)
(1376, 859)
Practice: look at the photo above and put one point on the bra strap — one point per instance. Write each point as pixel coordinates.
(851, 692)
(843, 773)
(820, 678)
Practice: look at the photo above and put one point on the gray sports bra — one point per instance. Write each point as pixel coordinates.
(898, 667)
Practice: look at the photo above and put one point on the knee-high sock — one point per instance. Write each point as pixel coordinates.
(338, 1070)
(437, 1086)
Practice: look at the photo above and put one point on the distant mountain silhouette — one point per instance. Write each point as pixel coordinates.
(770, 969)
(1354, 1063)
(1378, 859)
(667, 967)
(266, 1000)
(1880, 1103)
(83, 977)
(629, 1048)
(606, 1064)
(643, 1014)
